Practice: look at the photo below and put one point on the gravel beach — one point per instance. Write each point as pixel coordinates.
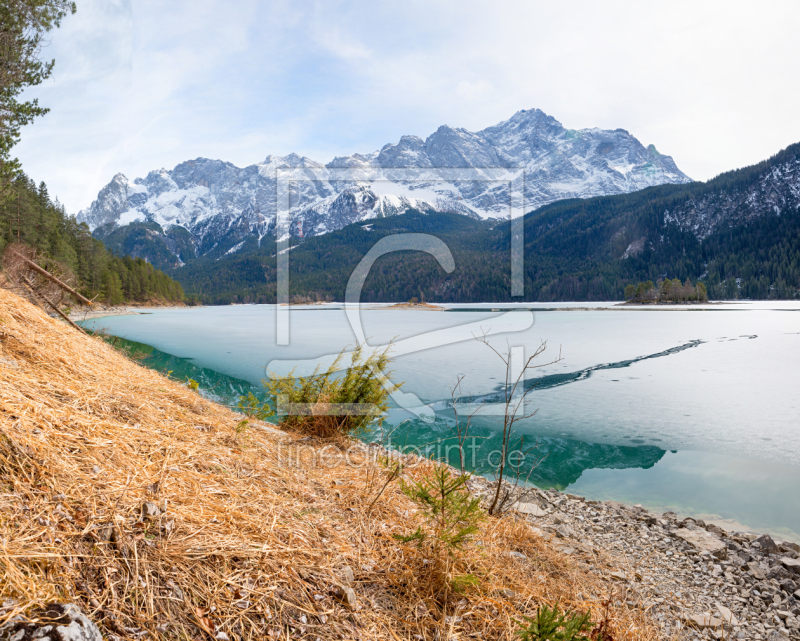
(697, 580)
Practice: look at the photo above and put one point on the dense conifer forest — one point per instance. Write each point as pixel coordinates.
(570, 254)
(573, 250)
(28, 215)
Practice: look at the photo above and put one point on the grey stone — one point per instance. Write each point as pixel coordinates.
(726, 615)
(150, 510)
(767, 544)
(530, 509)
(56, 622)
(348, 578)
(703, 621)
(619, 575)
(105, 532)
(756, 571)
(564, 532)
(347, 596)
(793, 565)
(703, 541)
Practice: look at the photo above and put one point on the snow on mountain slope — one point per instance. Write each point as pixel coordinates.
(222, 205)
(778, 189)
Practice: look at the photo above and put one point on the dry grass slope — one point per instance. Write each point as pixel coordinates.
(246, 540)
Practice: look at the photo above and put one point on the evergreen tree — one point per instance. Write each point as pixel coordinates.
(29, 216)
(112, 288)
(24, 25)
(629, 291)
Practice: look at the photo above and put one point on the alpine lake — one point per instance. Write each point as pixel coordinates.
(692, 409)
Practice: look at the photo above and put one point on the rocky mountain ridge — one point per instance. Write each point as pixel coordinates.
(222, 206)
(776, 190)
(739, 233)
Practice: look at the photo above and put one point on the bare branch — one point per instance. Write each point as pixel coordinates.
(514, 394)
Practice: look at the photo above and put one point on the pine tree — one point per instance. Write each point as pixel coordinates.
(24, 25)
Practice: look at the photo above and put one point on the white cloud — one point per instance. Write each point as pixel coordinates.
(147, 84)
(331, 39)
(474, 90)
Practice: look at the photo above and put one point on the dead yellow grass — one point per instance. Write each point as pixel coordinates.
(256, 535)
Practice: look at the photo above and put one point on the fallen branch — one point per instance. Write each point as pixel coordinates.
(42, 298)
(51, 278)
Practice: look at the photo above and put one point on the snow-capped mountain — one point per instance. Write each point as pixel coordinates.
(222, 206)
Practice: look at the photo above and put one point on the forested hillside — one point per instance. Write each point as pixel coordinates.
(30, 216)
(574, 250)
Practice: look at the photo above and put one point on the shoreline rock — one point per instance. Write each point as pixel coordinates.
(84, 313)
(698, 581)
(56, 621)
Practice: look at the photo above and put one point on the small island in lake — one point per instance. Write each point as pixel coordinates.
(410, 305)
(666, 291)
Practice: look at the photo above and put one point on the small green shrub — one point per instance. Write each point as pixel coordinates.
(192, 384)
(331, 405)
(451, 517)
(254, 408)
(552, 625)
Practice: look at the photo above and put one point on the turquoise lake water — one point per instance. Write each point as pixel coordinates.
(690, 409)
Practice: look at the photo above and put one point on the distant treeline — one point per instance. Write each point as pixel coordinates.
(30, 216)
(588, 249)
(572, 252)
(666, 291)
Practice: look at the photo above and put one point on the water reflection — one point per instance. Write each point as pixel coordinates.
(213, 385)
(546, 461)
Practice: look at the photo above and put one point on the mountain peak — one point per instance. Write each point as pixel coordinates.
(222, 205)
(290, 160)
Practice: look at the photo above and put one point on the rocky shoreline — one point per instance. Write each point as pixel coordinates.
(78, 314)
(697, 580)
(86, 314)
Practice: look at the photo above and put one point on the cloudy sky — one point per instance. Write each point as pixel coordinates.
(139, 84)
